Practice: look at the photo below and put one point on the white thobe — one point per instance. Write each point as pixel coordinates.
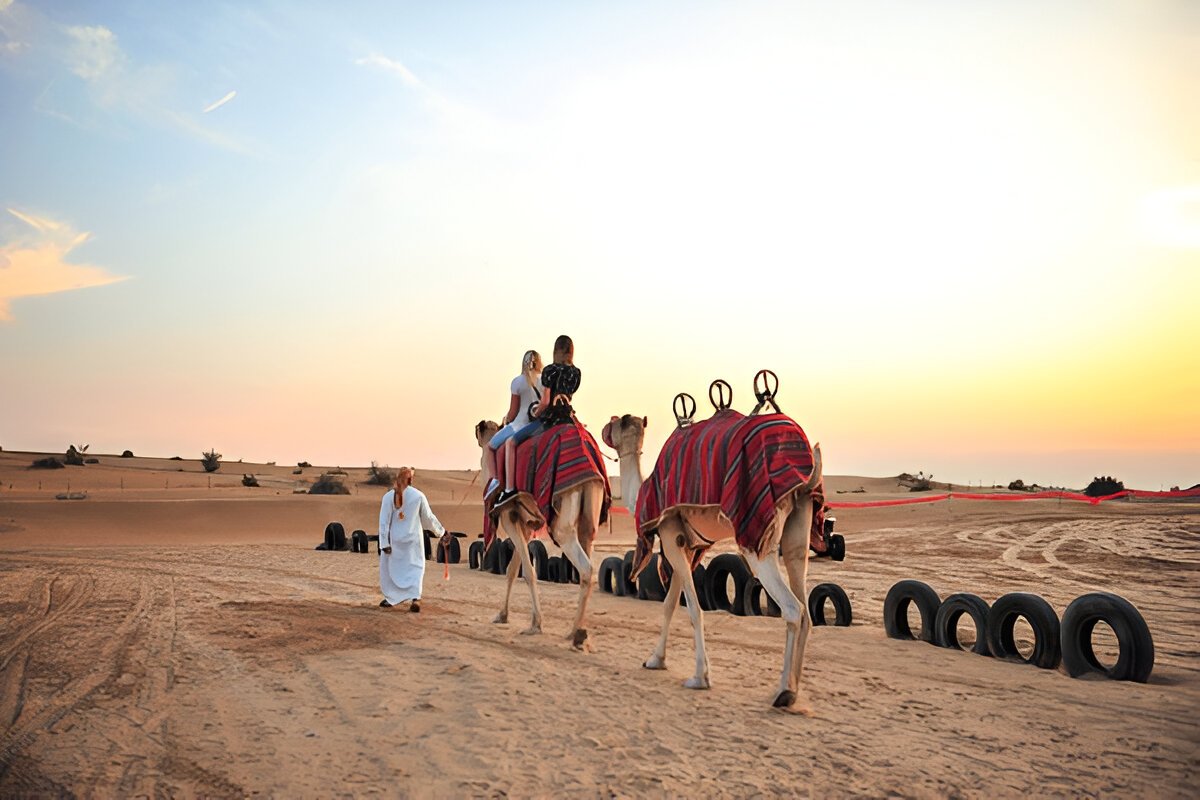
(402, 570)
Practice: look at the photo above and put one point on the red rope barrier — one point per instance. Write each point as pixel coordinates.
(1047, 495)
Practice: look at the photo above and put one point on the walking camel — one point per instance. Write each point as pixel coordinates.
(562, 484)
(750, 478)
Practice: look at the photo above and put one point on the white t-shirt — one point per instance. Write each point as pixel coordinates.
(528, 394)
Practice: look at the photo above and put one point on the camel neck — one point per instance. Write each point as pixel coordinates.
(631, 479)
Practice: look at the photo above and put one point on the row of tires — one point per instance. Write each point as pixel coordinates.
(725, 584)
(1067, 641)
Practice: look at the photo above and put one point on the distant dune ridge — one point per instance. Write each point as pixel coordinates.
(176, 633)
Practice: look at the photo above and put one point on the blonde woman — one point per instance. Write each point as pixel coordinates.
(525, 391)
(559, 382)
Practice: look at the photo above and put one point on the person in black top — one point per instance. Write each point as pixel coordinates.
(560, 381)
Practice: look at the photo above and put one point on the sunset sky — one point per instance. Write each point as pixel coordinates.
(966, 235)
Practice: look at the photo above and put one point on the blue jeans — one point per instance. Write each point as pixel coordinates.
(510, 431)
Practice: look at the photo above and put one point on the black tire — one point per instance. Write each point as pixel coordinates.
(842, 613)
(505, 555)
(716, 582)
(1136, 658)
(428, 548)
(475, 555)
(454, 548)
(540, 559)
(568, 573)
(837, 547)
(490, 556)
(335, 536)
(649, 584)
(610, 574)
(358, 542)
(756, 593)
(895, 610)
(698, 580)
(628, 587)
(554, 570)
(1002, 616)
(945, 624)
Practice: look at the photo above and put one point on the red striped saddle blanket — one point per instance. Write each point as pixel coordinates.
(555, 460)
(744, 465)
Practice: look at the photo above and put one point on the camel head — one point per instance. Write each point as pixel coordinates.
(485, 429)
(625, 434)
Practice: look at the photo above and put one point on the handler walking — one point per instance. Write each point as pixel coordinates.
(404, 515)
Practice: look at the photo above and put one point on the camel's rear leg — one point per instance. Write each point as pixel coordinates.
(567, 534)
(515, 535)
(670, 533)
(790, 596)
(523, 562)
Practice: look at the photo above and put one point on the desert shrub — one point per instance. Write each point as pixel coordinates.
(297, 472)
(211, 460)
(1017, 486)
(176, 458)
(249, 480)
(1100, 487)
(328, 484)
(74, 455)
(127, 454)
(915, 483)
(303, 464)
(380, 476)
(49, 462)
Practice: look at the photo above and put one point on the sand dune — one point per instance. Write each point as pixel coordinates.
(164, 638)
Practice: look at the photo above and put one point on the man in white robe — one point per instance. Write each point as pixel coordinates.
(404, 515)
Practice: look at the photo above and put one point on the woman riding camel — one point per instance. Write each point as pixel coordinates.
(560, 381)
(525, 393)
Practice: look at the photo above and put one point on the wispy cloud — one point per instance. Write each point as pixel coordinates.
(93, 51)
(220, 102)
(37, 263)
(390, 65)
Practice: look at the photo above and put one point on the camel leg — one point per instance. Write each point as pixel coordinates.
(791, 597)
(670, 533)
(658, 659)
(567, 533)
(516, 537)
(525, 563)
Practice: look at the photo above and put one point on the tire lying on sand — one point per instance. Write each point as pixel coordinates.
(335, 536)
(1136, 658)
(427, 535)
(649, 584)
(554, 570)
(610, 574)
(475, 554)
(755, 595)
(626, 587)
(945, 625)
(567, 572)
(837, 547)
(841, 604)
(716, 580)
(1002, 617)
(698, 579)
(895, 610)
(454, 548)
(358, 542)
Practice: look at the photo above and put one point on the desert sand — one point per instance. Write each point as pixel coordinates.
(175, 634)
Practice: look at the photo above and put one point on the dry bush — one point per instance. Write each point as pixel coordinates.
(380, 476)
(211, 460)
(49, 462)
(74, 456)
(328, 484)
(249, 480)
(127, 454)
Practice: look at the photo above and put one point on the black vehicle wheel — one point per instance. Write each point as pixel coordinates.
(1136, 658)
(945, 624)
(841, 604)
(335, 536)
(475, 554)
(540, 558)
(610, 573)
(837, 547)
(720, 569)
(755, 595)
(628, 587)
(649, 584)
(895, 610)
(1002, 617)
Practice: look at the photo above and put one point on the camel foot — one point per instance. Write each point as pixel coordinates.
(532, 630)
(654, 662)
(500, 619)
(696, 683)
(579, 639)
(784, 699)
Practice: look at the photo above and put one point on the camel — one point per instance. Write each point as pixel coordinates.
(686, 531)
(578, 512)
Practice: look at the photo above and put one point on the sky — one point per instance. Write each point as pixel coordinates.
(966, 236)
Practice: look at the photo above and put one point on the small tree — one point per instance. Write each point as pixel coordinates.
(249, 480)
(1102, 487)
(380, 476)
(127, 454)
(1017, 486)
(74, 455)
(211, 460)
(328, 484)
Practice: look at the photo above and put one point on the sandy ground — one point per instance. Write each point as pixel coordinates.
(164, 638)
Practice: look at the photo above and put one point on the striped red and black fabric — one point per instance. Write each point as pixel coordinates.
(555, 460)
(744, 465)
